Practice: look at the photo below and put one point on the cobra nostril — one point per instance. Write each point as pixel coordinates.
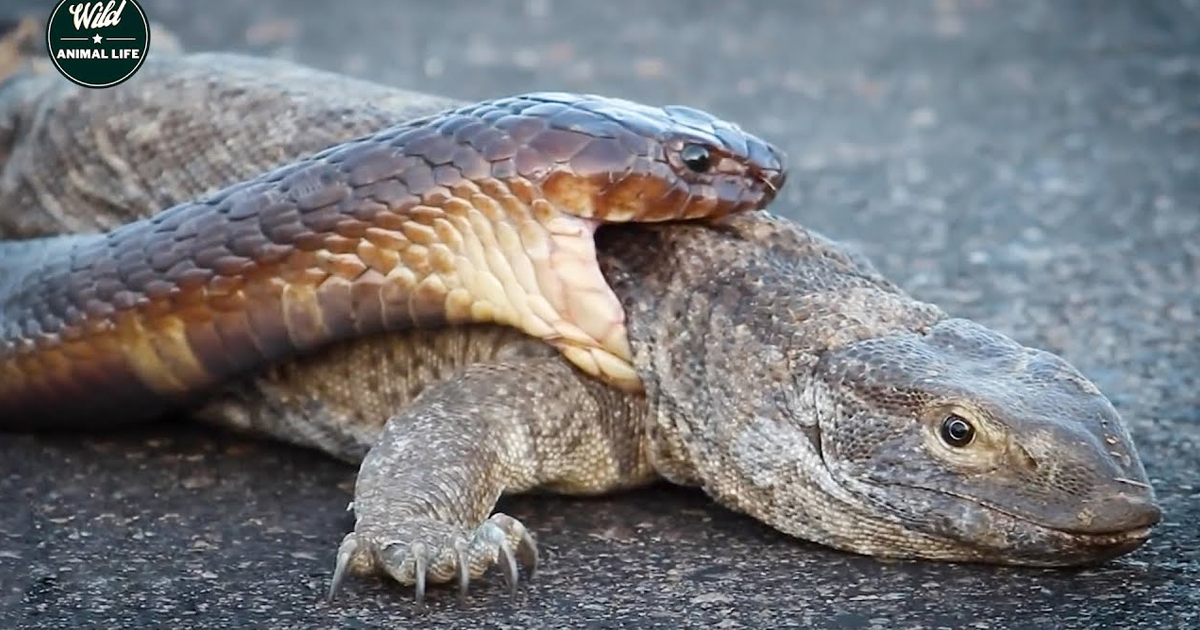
(1118, 513)
(779, 164)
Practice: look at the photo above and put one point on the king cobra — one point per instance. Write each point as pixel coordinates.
(480, 213)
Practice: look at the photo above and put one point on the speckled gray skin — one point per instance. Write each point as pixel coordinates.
(1030, 166)
(783, 375)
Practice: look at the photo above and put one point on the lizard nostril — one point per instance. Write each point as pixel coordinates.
(1019, 456)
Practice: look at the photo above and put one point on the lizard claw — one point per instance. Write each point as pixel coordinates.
(420, 551)
(464, 577)
(346, 552)
(527, 553)
(422, 567)
(509, 566)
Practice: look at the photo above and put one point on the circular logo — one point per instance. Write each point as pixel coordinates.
(97, 43)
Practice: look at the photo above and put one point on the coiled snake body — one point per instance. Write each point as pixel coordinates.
(482, 213)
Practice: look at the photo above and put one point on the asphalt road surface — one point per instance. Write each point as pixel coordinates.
(1034, 165)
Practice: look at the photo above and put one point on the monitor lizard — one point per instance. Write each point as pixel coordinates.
(782, 374)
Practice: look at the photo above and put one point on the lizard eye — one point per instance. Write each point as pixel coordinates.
(956, 431)
(696, 158)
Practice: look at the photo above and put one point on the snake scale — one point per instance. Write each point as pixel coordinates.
(482, 212)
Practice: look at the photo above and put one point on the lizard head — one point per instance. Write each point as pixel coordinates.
(980, 448)
(794, 383)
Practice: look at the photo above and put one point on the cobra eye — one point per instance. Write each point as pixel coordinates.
(696, 157)
(956, 431)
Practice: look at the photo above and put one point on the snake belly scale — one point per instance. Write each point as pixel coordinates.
(483, 213)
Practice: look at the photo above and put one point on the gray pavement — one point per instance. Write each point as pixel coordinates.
(1034, 165)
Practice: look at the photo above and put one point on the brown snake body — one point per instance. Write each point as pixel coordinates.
(483, 213)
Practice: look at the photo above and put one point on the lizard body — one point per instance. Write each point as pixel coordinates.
(782, 374)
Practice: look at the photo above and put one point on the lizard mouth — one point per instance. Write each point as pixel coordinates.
(995, 535)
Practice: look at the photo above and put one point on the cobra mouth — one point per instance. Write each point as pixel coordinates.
(771, 180)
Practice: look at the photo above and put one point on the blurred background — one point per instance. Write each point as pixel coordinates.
(1033, 164)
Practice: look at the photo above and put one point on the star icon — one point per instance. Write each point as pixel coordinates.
(97, 38)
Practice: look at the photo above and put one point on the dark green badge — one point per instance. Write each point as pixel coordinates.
(98, 43)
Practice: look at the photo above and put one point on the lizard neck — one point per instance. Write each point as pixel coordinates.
(728, 323)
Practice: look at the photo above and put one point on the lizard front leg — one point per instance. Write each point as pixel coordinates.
(424, 493)
(426, 489)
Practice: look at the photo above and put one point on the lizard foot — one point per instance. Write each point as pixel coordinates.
(417, 551)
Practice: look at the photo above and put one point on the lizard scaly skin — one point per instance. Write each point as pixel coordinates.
(783, 375)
